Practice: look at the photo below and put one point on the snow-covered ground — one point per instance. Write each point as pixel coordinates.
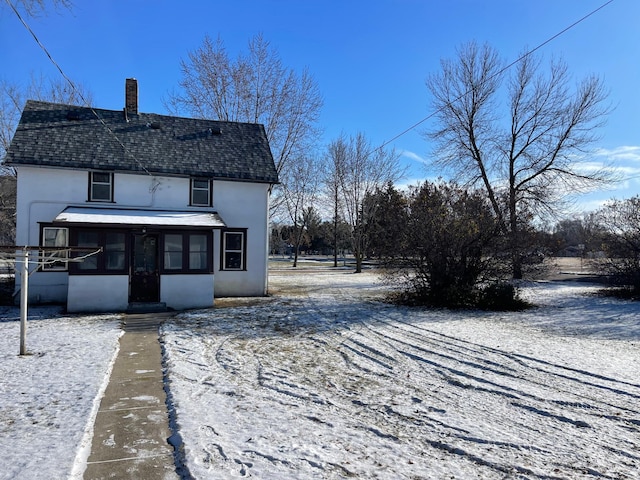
(325, 381)
(48, 398)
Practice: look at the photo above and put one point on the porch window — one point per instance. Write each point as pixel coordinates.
(90, 239)
(100, 186)
(233, 250)
(173, 251)
(187, 252)
(112, 259)
(115, 251)
(200, 192)
(55, 237)
(198, 252)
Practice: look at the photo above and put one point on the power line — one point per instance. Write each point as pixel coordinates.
(384, 144)
(75, 89)
(500, 72)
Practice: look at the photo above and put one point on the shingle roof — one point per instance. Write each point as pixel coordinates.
(67, 136)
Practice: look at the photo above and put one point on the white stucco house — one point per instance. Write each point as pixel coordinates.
(179, 205)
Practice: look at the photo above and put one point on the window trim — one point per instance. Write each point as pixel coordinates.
(209, 190)
(61, 265)
(92, 182)
(185, 270)
(224, 250)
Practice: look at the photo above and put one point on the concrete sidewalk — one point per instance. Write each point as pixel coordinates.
(131, 429)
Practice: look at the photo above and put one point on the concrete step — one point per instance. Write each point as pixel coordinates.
(147, 307)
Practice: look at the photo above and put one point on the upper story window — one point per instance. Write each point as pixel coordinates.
(201, 192)
(100, 187)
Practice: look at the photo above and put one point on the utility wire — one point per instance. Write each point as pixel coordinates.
(384, 144)
(498, 73)
(73, 86)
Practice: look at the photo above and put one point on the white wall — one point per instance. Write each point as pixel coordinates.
(45, 192)
(110, 293)
(187, 291)
(49, 287)
(243, 205)
(98, 293)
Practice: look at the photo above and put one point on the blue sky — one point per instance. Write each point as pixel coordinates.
(369, 58)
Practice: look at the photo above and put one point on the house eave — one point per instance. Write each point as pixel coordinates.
(135, 218)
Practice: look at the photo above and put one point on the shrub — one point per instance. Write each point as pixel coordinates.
(446, 248)
(500, 296)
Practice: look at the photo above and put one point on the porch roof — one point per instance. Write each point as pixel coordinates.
(139, 217)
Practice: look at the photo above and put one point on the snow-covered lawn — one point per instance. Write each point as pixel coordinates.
(48, 399)
(323, 380)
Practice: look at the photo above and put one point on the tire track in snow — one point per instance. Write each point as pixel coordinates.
(456, 350)
(338, 364)
(374, 355)
(499, 389)
(561, 374)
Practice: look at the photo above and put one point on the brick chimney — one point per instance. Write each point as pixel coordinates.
(131, 96)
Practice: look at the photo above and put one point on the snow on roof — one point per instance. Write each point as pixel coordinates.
(115, 216)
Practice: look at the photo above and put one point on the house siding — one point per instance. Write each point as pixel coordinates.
(187, 291)
(97, 293)
(236, 204)
(44, 192)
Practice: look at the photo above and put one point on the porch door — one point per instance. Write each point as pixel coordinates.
(144, 278)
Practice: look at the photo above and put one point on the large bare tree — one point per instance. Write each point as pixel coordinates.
(526, 144)
(359, 170)
(255, 88)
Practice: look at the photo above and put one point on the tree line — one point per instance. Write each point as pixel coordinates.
(444, 245)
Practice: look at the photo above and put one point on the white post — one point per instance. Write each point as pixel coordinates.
(24, 299)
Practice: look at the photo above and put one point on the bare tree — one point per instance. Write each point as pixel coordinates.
(529, 159)
(360, 170)
(300, 193)
(334, 164)
(254, 88)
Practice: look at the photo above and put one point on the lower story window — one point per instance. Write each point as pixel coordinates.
(187, 252)
(55, 237)
(198, 252)
(173, 251)
(89, 239)
(115, 249)
(112, 259)
(234, 250)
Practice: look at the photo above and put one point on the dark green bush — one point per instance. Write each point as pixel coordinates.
(500, 296)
